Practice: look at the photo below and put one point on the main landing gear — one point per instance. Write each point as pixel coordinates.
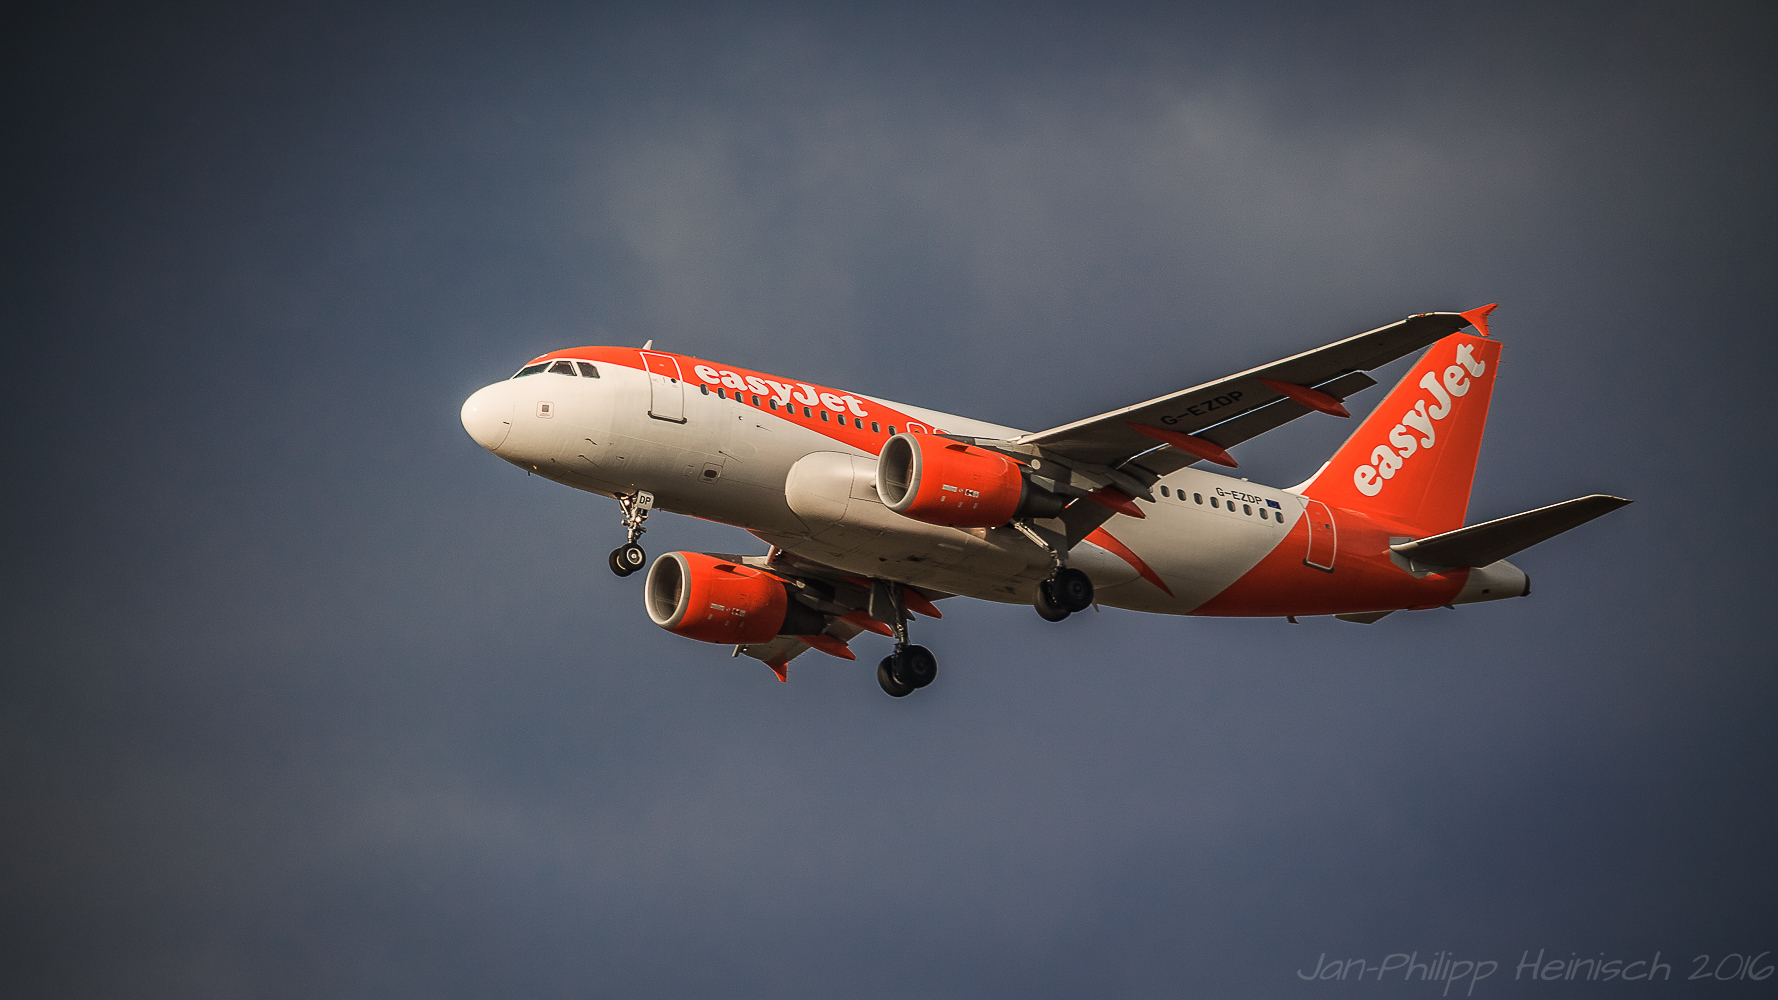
(1067, 590)
(906, 670)
(910, 667)
(1061, 595)
(629, 557)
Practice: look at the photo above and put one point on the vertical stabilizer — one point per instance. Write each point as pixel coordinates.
(1413, 459)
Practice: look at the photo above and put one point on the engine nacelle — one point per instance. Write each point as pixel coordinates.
(712, 600)
(947, 482)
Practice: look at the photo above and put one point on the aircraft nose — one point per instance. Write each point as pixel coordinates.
(487, 416)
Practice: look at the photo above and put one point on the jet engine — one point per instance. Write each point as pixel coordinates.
(939, 481)
(712, 600)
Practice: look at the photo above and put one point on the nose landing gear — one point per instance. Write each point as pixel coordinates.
(629, 557)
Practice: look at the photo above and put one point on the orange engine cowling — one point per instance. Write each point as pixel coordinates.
(947, 482)
(709, 599)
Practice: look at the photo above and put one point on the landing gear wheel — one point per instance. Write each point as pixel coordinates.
(1048, 608)
(886, 677)
(1072, 590)
(627, 559)
(914, 666)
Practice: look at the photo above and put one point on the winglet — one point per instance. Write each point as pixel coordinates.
(782, 670)
(1478, 317)
(1314, 399)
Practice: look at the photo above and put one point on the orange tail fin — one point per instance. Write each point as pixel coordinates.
(1413, 459)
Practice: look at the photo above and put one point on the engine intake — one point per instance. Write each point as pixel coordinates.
(947, 482)
(712, 600)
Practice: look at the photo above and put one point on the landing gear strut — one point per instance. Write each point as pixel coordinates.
(910, 667)
(1067, 590)
(629, 557)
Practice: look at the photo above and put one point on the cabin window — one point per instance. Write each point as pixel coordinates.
(1213, 502)
(824, 416)
(876, 428)
(892, 428)
(1164, 492)
(562, 368)
(530, 370)
(756, 401)
(587, 370)
(1245, 509)
(772, 403)
(806, 412)
(721, 394)
(1197, 498)
(704, 389)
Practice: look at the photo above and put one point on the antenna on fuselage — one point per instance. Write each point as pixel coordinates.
(648, 345)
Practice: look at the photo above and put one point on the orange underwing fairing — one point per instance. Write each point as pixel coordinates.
(1190, 444)
(1312, 398)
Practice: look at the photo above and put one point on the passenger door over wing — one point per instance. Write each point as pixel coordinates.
(666, 389)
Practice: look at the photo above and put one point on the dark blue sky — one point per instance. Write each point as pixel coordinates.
(306, 695)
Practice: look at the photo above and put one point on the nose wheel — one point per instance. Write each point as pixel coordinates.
(629, 557)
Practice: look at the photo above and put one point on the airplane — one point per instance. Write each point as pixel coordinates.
(874, 510)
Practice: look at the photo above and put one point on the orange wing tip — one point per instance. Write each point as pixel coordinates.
(782, 670)
(1314, 399)
(1117, 500)
(829, 645)
(1189, 444)
(917, 601)
(866, 622)
(1478, 317)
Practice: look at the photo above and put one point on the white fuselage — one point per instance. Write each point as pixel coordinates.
(796, 483)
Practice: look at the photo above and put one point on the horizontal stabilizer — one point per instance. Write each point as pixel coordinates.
(1481, 544)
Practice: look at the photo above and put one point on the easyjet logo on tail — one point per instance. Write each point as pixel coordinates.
(1417, 430)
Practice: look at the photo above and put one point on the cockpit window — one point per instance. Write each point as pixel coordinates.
(530, 370)
(562, 368)
(587, 370)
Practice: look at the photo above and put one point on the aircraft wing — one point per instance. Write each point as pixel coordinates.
(1231, 410)
(852, 605)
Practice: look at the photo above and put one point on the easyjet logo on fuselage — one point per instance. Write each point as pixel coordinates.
(784, 392)
(1416, 431)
